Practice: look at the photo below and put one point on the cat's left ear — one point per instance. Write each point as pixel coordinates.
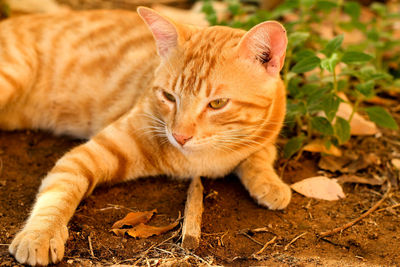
(265, 43)
(164, 31)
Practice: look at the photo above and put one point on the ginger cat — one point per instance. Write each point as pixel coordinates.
(211, 102)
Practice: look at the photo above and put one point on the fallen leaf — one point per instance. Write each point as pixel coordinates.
(359, 180)
(319, 146)
(396, 163)
(144, 231)
(332, 163)
(319, 187)
(363, 162)
(134, 218)
(359, 125)
(381, 101)
(120, 232)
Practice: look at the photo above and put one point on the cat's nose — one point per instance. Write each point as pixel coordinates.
(181, 139)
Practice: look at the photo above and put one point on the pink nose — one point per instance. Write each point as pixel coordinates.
(181, 139)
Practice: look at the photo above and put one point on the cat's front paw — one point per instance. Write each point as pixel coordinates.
(274, 196)
(41, 246)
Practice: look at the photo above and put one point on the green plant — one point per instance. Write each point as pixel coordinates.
(317, 69)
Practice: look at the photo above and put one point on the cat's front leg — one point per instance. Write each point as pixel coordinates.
(113, 155)
(259, 177)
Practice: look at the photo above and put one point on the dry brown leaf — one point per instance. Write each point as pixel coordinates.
(134, 218)
(396, 163)
(363, 162)
(120, 232)
(144, 231)
(319, 187)
(359, 180)
(359, 125)
(332, 163)
(319, 146)
(381, 101)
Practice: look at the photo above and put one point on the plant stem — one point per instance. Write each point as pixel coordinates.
(286, 67)
(355, 107)
(335, 85)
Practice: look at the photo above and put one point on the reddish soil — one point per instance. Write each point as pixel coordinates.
(229, 212)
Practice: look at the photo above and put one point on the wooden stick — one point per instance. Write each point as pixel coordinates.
(90, 246)
(266, 245)
(293, 240)
(191, 230)
(349, 224)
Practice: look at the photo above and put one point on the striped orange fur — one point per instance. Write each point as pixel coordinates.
(153, 98)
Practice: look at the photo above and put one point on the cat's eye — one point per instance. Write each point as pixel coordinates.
(218, 103)
(169, 96)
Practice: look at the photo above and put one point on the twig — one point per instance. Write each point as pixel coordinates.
(90, 246)
(116, 207)
(165, 251)
(294, 240)
(222, 237)
(156, 245)
(390, 207)
(5, 244)
(192, 254)
(349, 224)
(252, 239)
(1, 167)
(210, 234)
(265, 246)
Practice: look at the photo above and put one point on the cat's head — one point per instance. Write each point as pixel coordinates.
(217, 89)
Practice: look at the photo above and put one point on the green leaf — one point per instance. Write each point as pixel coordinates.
(307, 3)
(292, 146)
(322, 125)
(210, 12)
(381, 117)
(350, 57)
(293, 87)
(234, 7)
(330, 105)
(330, 63)
(295, 109)
(302, 54)
(297, 38)
(367, 88)
(326, 5)
(353, 9)
(333, 45)
(379, 8)
(306, 64)
(342, 130)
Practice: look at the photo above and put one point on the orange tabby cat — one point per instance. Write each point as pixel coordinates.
(211, 102)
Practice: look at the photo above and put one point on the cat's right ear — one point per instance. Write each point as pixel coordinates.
(164, 31)
(265, 43)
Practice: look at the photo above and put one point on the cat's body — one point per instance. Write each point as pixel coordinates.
(210, 104)
(90, 67)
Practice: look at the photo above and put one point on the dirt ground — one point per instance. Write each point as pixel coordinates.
(229, 219)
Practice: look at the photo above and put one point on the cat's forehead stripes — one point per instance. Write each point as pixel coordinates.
(202, 51)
